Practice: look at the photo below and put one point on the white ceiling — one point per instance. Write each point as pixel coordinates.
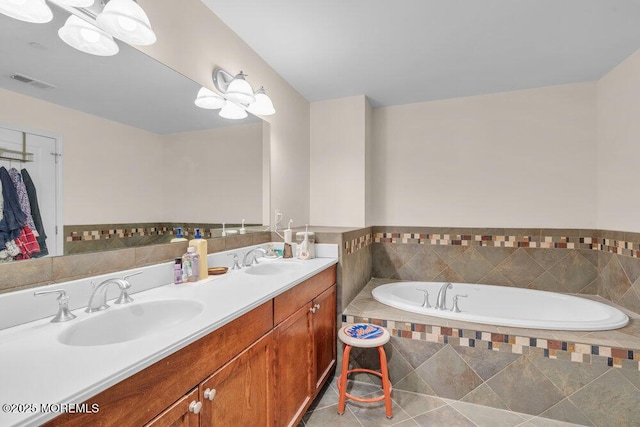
(405, 51)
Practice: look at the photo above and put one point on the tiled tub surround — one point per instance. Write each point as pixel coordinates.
(595, 262)
(587, 378)
(100, 237)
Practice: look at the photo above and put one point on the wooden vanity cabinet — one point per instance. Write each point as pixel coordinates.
(180, 414)
(304, 344)
(246, 373)
(239, 394)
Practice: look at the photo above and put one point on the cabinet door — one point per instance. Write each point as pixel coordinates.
(293, 364)
(239, 394)
(178, 414)
(324, 335)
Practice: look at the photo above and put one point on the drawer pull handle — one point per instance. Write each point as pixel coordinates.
(317, 306)
(210, 394)
(313, 309)
(195, 407)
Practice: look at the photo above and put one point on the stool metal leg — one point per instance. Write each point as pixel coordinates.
(386, 384)
(342, 381)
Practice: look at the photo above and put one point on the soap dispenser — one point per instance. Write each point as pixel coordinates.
(242, 229)
(200, 245)
(179, 236)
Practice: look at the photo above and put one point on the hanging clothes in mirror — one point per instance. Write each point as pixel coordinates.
(35, 213)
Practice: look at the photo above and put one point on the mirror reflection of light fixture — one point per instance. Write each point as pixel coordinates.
(209, 100)
(232, 111)
(237, 97)
(126, 20)
(263, 105)
(76, 3)
(35, 11)
(87, 38)
(105, 19)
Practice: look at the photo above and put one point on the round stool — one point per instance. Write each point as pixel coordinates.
(364, 335)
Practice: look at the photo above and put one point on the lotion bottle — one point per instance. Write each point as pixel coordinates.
(200, 246)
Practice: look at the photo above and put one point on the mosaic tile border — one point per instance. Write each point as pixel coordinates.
(354, 245)
(538, 347)
(615, 246)
(109, 232)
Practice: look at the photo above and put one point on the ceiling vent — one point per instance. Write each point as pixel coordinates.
(31, 81)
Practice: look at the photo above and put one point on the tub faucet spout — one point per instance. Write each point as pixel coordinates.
(441, 302)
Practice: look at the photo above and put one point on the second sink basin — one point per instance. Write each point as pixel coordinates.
(129, 322)
(275, 268)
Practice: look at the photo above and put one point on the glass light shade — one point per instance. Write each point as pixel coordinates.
(35, 11)
(75, 3)
(126, 20)
(232, 111)
(239, 90)
(209, 100)
(87, 38)
(263, 105)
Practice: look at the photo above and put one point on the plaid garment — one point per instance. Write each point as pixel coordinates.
(27, 243)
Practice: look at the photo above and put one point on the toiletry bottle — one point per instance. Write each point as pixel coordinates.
(179, 236)
(191, 265)
(288, 250)
(200, 245)
(177, 271)
(242, 229)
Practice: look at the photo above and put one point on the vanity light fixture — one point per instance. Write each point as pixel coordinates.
(232, 111)
(263, 105)
(237, 97)
(87, 38)
(126, 20)
(35, 11)
(209, 100)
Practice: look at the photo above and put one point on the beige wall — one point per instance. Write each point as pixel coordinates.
(338, 162)
(107, 178)
(193, 41)
(619, 147)
(214, 175)
(517, 159)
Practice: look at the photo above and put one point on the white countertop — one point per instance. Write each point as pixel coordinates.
(36, 369)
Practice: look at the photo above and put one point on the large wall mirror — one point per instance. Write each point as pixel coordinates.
(136, 151)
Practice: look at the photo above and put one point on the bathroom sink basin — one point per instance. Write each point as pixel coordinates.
(129, 322)
(274, 268)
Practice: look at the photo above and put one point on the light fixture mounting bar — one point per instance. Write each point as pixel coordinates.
(222, 79)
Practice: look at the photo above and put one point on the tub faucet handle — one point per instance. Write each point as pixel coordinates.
(455, 308)
(425, 301)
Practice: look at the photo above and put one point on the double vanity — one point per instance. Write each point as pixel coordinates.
(250, 347)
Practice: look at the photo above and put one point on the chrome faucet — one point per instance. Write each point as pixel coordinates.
(425, 301)
(98, 299)
(255, 259)
(441, 302)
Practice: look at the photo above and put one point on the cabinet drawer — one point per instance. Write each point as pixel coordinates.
(139, 398)
(287, 303)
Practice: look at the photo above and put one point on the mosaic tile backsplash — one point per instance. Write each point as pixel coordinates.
(100, 237)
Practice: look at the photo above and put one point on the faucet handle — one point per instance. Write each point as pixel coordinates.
(455, 308)
(63, 302)
(425, 302)
(236, 266)
(126, 278)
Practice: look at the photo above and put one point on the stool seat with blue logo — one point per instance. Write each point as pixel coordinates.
(364, 335)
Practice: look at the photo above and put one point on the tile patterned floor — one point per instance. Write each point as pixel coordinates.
(411, 409)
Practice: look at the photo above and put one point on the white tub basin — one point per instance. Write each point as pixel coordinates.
(275, 268)
(129, 322)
